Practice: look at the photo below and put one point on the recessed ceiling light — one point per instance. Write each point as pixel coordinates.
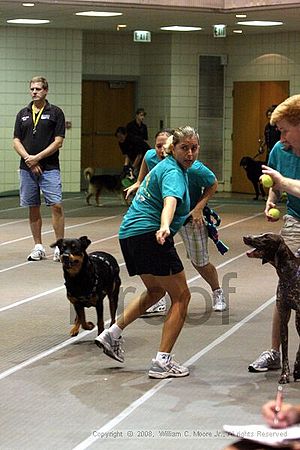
(28, 21)
(98, 14)
(260, 23)
(27, 4)
(241, 16)
(237, 31)
(180, 28)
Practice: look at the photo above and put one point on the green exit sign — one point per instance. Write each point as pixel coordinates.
(141, 36)
(220, 30)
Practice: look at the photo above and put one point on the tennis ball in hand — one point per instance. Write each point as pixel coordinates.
(274, 213)
(266, 180)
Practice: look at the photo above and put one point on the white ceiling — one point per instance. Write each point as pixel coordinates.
(62, 15)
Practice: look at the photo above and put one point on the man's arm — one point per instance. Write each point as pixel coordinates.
(33, 160)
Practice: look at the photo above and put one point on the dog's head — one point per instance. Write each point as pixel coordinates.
(72, 252)
(246, 161)
(269, 247)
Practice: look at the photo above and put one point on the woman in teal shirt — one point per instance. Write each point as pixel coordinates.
(158, 210)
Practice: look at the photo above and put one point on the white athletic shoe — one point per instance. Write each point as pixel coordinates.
(158, 309)
(219, 303)
(37, 253)
(56, 255)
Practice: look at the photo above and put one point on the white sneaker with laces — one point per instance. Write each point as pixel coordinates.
(37, 253)
(157, 309)
(169, 369)
(111, 347)
(56, 255)
(219, 303)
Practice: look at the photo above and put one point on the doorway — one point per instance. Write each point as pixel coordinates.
(250, 103)
(106, 105)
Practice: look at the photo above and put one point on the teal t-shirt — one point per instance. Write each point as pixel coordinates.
(199, 176)
(151, 158)
(166, 179)
(288, 164)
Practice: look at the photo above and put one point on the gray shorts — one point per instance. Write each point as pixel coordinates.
(291, 232)
(195, 239)
(49, 182)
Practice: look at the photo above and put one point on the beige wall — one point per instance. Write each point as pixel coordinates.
(57, 55)
(166, 70)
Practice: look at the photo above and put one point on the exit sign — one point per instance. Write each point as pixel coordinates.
(220, 30)
(141, 36)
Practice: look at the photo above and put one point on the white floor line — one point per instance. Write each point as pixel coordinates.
(13, 223)
(30, 299)
(102, 219)
(140, 401)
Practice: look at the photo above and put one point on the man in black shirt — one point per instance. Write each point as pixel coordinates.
(38, 135)
(137, 127)
(133, 148)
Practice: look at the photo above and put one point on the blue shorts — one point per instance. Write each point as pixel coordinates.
(31, 186)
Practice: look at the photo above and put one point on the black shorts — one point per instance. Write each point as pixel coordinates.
(143, 255)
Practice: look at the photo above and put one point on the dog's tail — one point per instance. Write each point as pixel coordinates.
(88, 173)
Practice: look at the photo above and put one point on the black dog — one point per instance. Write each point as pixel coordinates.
(99, 183)
(88, 279)
(254, 171)
(271, 248)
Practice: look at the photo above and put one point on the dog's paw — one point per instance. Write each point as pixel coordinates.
(88, 326)
(74, 331)
(284, 379)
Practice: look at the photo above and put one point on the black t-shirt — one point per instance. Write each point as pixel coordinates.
(133, 146)
(133, 128)
(50, 125)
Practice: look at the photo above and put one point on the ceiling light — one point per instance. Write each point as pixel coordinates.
(28, 21)
(180, 28)
(260, 23)
(237, 31)
(241, 16)
(27, 4)
(98, 14)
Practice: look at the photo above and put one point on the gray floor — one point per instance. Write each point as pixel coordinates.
(63, 393)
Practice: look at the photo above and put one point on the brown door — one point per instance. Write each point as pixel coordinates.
(106, 105)
(250, 102)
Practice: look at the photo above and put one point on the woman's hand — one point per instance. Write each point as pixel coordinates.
(162, 234)
(131, 189)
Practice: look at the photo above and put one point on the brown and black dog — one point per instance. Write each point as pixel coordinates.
(88, 279)
(100, 183)
(271, 248)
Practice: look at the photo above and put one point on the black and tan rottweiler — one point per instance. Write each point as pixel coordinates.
(271, 248)
(88, 279)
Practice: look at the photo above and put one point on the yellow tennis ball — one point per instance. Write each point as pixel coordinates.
(275, 213)
(266, 180)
